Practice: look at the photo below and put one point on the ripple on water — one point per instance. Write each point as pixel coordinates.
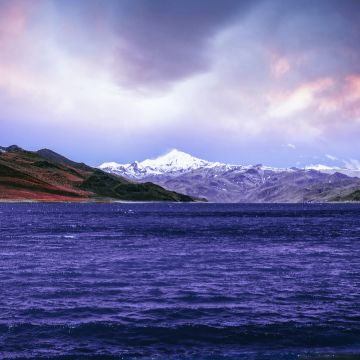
(179, 281)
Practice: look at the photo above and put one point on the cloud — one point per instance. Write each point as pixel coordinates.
(238, 74)
(352, 164)
(331, 157)
(289, 145)
(289, 103)
(280, 66)
(152, 43)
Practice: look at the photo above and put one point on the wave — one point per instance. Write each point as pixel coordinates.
(96, 336)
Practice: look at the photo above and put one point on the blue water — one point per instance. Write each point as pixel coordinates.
(179, 281)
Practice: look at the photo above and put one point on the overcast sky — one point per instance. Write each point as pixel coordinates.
(273, 81)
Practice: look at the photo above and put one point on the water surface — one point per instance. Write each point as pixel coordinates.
(179, 281)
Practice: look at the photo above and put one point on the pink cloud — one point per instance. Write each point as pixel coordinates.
(353, 87)
(330, 99)
(288, 103)
(280, 66)
(13, 18)
(344, 100)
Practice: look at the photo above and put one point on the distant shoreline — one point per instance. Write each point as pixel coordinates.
(10, 201)
(24, 201)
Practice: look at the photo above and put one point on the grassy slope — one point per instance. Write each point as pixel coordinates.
(113, 186)
(353, 196)
(45, 175)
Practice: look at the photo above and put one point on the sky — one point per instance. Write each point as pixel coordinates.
(275, 82)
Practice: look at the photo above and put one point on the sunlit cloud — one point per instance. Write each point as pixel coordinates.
(331, 157)
(289, 103)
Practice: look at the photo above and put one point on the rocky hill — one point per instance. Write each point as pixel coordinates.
(47, 176)
(219, 182)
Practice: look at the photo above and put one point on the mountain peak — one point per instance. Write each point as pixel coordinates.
(174, 161)
(11, 148)
(176, 152)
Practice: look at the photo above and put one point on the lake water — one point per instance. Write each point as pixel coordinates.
(179, 281)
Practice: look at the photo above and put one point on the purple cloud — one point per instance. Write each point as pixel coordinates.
(235, 78)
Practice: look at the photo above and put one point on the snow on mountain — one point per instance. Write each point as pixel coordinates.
(174, 161)
(347, 170)
(219, 182)
(177, 162)
(321, 167)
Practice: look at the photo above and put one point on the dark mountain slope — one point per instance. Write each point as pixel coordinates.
(113, 186)
(353, 196)
(55, 157)
(259, 186)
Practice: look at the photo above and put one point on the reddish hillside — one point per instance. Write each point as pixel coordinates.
(47, 176)
(26, 175)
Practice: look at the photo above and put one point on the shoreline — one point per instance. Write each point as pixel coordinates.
(12, 201)
(25, 201)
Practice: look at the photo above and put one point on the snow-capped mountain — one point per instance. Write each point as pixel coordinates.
(354, 172)
(174, 163)
(219, 182)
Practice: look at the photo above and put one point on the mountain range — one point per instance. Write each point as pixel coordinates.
(45, 175)
(220, 182)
